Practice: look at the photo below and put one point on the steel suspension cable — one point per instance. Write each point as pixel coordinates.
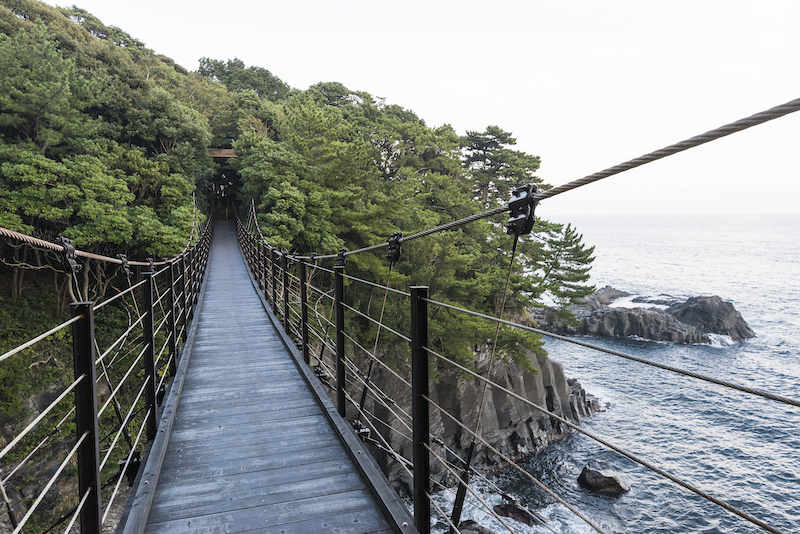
(734, 127)
(722, 131)
(40, 337)
(125, 468)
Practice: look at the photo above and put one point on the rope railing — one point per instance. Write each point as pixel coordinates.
(172, 309)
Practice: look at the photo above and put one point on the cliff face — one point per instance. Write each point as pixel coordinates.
(508, 424)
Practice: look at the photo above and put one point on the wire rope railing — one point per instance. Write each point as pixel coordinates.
(323, 333)
(146, 346)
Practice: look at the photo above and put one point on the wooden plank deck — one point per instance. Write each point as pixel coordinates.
(250, 447)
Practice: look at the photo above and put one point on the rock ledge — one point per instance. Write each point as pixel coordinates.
(685, 323)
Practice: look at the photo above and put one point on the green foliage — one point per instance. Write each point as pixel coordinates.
(330, 167)
(236, 77)
(496, 169)
(98, 141)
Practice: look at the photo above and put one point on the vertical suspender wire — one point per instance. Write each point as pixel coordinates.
(377, 337)
(462, 487)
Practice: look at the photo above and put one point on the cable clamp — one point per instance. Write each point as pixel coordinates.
(340, 258)
(152, 264)
(521, 210)
(126, 268)
(394, 247)
(70, 258)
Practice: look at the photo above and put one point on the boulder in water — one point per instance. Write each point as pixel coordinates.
(512, 511)
(598, 476)
(471, 527)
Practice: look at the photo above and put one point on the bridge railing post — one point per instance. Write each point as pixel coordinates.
(274, 273)
(420, 408)
(83, 348)
(285, 273)
(171, 322)
(260, 268)
(304, 311)
(149, 355)
(184, 316)
(188, 287)
(338, 283)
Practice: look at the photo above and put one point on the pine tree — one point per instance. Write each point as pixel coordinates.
(566, 267)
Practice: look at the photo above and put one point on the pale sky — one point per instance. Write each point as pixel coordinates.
(584, 84)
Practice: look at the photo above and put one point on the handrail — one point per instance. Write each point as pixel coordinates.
(346, 374)
(174, 310)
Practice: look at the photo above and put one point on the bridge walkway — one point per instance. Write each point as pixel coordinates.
(250, 446)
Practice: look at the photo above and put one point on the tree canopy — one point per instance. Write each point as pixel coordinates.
(104, 141)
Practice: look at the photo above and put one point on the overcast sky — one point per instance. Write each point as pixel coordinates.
(584, 84)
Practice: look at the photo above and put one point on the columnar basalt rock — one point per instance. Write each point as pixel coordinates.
(511, 426)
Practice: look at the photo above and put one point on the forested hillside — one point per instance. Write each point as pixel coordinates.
(105, 142)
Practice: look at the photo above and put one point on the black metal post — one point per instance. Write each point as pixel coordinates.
(86, 416)
(184, 316)
(419, 408)
(171, 330)
(285, 269)
(304, 311)
(262, 282)
(338, 284)
(197, 271)
(189, 286)
(149, 355)
(274, 273)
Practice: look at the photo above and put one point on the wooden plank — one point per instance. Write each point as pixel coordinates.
(251, 447)
(346, 505)
(203, 454)
(264, 462)
(245, 431)
(284, 492)
(220, 486)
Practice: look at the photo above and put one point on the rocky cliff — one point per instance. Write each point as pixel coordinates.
(508, 424)
(687, 322)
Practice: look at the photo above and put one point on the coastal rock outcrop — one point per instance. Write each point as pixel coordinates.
(599, 476)
(688, 322)
(712, 314)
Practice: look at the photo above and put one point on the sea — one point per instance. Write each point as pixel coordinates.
(739, 448)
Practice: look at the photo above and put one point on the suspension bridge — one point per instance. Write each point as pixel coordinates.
(228, 392)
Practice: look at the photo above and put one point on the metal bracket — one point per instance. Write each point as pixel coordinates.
(126, 268)
(362, 430)
(521, 210)
(394, 247)
(152, 264)
(340, 259)
(70, 258)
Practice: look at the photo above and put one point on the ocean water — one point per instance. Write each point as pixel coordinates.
(742, 449)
